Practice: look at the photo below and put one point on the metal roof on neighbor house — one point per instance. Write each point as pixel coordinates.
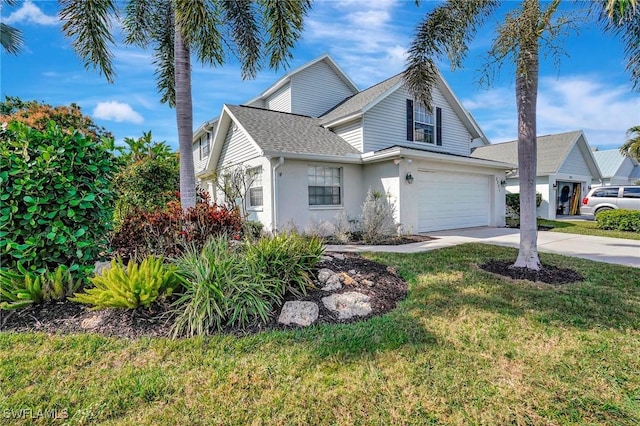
(280, 132)
(552, 151)
(609, 161)
(356, 103)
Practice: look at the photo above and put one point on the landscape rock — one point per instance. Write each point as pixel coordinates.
(348, 305)
(324, 274)
(91, 322)
(346, 279)
(100, 267)
(333, 283)
(338, 256)
(326, 258)
(298, 313)
(368, 283)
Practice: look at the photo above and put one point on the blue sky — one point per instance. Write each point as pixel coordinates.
(589, 90)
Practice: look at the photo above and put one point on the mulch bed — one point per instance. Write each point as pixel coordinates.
(378, 281)
(394, 241)
(548, 274)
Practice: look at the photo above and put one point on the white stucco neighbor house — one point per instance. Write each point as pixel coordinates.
(317, 144)
(616, 168)
(566, 170)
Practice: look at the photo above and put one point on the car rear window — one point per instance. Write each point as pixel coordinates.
(606, 192)
(631, 193)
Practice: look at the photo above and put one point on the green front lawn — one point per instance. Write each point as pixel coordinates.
(586, 228)
(466, 347)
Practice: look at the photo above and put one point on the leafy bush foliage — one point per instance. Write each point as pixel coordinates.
(22, 288)
(513, 202)
(56, 200)
(130, 286)
(252, 229)
(286, 258)
(621, 220)
(168, 232)
(378, 222)
(220, 287)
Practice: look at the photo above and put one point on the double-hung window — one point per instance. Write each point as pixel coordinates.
(204, 146)
(255, 188)
(423, 124)
(325, 186)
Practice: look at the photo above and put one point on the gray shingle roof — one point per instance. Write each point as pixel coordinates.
(552, 151)
(357, 102)
(285, 133)
(609, 161)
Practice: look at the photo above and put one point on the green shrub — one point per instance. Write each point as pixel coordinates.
(621, 220)
(252, 229)
(220, 288)
(56, 202)
(130, 286)
(22, 288)
(286, 258)
(513, 202)
(146, 185)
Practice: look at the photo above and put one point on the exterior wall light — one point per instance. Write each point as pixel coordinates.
(503, 183)
(409, 178)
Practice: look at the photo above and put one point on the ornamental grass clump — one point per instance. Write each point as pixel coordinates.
(20, 288)
(220, 287)
(130, 286)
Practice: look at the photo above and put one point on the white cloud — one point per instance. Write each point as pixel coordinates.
(30, 13)
(579, 102)
(117, 111)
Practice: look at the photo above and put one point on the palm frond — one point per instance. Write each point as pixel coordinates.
(240, 16)
(88, 23)
(284, 25)
(11, 39)
(163, 55)
(631, 147)
(138, 21)
(447, 30)
(199, 21)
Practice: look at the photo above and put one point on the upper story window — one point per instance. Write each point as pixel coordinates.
(204, 146)
(423, 126)
(255, 188)
(325, 186)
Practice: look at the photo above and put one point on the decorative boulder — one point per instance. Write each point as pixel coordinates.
(348, 305)
(298, 313)
(333, 283)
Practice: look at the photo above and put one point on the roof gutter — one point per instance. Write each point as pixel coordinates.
(347, 158)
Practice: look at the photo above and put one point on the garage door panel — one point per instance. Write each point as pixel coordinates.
(452, 200)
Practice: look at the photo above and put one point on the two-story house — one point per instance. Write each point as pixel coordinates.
(316, 144)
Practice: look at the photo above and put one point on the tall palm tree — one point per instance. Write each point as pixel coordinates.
(447, 31)
(631, 147)
(211, 30)
(10, 37)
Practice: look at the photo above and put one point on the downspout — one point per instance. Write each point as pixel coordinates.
(274, 201)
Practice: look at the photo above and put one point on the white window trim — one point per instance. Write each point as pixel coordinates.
(327, 206)
(260, 174)
(416, 106)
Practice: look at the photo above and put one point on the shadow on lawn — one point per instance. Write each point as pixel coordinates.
(448, 280)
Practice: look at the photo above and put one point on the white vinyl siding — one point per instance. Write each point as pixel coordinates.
(317, 89)
(237, 149)
(575, 163)
(352, 133)
(199, 161)
(385, 125)
(280, 100)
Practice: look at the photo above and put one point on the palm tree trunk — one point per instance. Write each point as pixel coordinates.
(184, 118)
(526, 99)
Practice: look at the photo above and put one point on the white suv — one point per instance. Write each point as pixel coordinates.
(611, 197)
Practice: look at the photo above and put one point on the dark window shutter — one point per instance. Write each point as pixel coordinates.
(438, 126)
(409, 120)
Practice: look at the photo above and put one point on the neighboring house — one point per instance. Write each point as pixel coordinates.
(616, 168)
(566, 170)
(316, 144)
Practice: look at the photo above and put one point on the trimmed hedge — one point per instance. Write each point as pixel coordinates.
(513, 201)
(620, 220)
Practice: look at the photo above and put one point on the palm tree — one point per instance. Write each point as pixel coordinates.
(631, 147)
(10, 37)
(256, 32)
(447, 30)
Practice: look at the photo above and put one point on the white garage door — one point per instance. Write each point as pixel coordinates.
(452, 200)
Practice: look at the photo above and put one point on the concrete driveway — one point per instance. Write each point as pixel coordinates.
(601, 249)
